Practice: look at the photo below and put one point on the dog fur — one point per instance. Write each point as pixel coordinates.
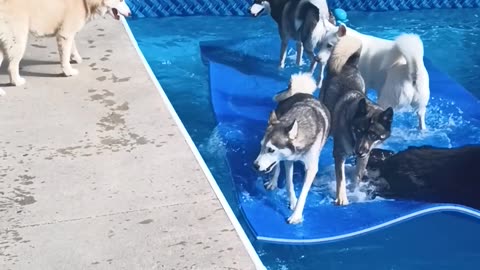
(395, 69)
(427, 173)
(297, 131)
(357, 123)
(59, 18)
(305, 21)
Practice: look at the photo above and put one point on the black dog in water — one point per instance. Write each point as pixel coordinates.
(427, 173)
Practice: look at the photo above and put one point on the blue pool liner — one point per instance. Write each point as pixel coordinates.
(243, 79)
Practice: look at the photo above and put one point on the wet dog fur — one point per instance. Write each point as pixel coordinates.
(297, 131)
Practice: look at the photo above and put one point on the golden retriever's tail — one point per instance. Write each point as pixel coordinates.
(299, 83)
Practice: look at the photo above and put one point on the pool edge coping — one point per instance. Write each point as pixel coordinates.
(213, 184)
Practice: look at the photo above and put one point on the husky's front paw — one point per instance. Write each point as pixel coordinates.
(295, 218)
(70, 72)
(293, 203)
(341, 199)
(271, 185)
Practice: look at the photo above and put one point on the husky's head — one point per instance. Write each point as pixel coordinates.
(115, 8)
(259, 7)
(333, 35)
(277, 144)
(370, 126)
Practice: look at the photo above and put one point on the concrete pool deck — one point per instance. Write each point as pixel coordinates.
(96, 174)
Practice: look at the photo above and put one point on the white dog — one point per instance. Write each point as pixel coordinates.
(395, 69)
(59, 18)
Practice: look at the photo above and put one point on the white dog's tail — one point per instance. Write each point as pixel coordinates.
(299, 83)
(410, 46)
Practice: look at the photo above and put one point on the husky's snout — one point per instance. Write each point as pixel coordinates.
(259, 168)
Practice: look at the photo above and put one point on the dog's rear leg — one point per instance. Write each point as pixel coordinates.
(273, 183)
(15, 54)
(75, 55)
(65, 44)
(299, 53)
(341, 182)
(289, 184)
(311, 171)
(421, 118)
(283, 54)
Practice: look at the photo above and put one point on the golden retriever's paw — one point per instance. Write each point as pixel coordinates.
(19, 81)
(70, 72)
(341, 200)
(77, 59)
(295, 218)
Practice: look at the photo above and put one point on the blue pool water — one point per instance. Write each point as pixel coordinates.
(171, 46)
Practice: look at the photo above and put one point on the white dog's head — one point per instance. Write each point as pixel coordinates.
(277, 144)
(334, 33)
(259, 7)
(115, 8)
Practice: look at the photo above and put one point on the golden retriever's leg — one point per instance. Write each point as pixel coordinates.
(1, 57)
(65, 44)
(14, 51)
(75, 55)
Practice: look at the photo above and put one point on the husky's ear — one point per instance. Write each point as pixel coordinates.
(273, 118)
(342, 30)
(362, 107)
(386, 117)
(293, 130)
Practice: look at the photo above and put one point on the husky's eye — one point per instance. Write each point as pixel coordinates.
(270, 150)
(329, 45)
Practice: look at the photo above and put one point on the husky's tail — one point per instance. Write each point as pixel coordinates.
(409, 46)
(299, 83)
(346, 52)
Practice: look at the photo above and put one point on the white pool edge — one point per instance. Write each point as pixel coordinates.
(233, 219)
(441, 208)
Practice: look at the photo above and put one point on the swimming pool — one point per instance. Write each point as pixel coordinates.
(171, 47)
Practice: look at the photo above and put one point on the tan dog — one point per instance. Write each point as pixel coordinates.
(59, 18)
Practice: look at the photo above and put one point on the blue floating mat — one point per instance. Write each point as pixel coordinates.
(243, 80)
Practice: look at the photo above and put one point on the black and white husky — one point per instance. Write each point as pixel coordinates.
(297, 131)
(305, 21)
